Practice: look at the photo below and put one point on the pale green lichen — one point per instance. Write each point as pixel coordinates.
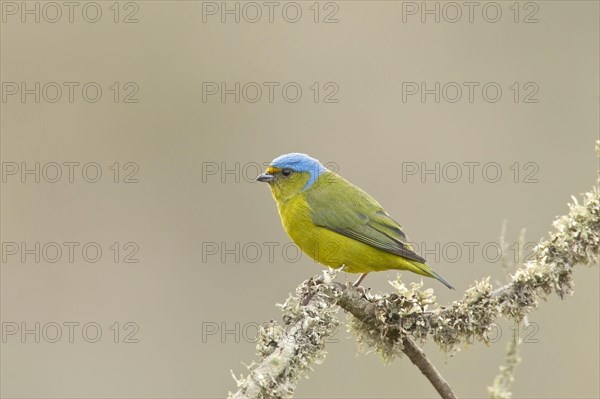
(576, 242)
(288, 351)
(413, 312)
(394, 313)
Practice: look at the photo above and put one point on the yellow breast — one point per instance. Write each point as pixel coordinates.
(319, 243)
(330, 248)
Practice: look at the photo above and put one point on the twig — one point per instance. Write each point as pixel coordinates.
(500, 389)
(417, 356)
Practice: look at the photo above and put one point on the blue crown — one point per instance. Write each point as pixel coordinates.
(300, 163)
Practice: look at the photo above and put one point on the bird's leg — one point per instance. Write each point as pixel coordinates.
(360, 279)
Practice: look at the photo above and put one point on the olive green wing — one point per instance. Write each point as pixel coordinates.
(348, 210)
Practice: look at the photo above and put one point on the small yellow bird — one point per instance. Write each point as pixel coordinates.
(337, 223)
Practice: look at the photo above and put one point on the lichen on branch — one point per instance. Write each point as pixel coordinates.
(381, 320)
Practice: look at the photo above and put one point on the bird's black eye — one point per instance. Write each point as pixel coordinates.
(286, 172)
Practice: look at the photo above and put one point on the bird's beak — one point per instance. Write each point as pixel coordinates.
(265, 178)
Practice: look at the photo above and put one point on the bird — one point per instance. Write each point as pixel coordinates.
(336, 223)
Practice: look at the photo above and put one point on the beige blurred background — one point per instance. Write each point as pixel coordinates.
(194, 314)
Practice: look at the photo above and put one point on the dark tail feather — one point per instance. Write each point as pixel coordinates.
(441, 280)
(425, 270)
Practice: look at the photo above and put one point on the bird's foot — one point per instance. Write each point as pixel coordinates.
(360, 279)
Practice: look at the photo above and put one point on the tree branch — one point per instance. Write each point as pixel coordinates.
(287, 352)
(418, 358)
